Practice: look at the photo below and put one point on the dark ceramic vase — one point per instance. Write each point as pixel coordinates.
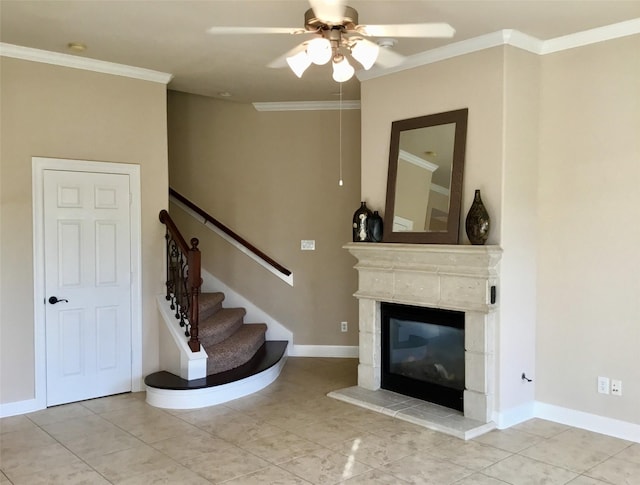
(375, 227)
(478, 221)
(361, 224)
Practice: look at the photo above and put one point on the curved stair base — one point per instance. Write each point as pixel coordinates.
(168, 391)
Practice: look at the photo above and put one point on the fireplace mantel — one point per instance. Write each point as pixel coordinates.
(452, 277)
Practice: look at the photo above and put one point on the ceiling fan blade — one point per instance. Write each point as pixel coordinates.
(389, 58)
(330, 11)
(254, 30)
(408, 30)
(282, 60)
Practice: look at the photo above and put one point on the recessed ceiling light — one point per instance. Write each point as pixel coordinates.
(224, 94)
(76, 46)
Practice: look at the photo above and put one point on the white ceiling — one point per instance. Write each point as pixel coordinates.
(170, 35)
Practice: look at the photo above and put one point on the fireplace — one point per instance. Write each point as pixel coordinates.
(456, 278)
(423, 353)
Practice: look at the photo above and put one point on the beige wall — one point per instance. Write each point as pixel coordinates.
(59, 112)
(483, 83)
(589, 230)
(518, 268)
(472, 81)
(272, 177)
(553, 144)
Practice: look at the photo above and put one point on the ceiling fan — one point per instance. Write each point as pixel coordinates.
(335, 34)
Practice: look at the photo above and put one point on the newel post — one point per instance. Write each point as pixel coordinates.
(194, 283)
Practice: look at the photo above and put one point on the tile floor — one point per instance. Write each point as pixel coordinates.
(291, 433)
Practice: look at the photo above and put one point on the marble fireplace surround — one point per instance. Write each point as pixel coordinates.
(452, 277)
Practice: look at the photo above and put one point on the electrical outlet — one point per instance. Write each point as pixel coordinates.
(344, 326)
(616, 387)
(603, 385)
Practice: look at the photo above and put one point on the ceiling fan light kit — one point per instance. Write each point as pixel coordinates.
(299, 63)
(342, 70)
(336, 35)
(365, 52)
(319, 50)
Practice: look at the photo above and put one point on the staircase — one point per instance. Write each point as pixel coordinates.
(239, 360)
(228, 341)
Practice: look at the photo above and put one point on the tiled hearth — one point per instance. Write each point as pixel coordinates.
(436, 276)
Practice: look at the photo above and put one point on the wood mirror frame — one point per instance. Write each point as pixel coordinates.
(448, 235)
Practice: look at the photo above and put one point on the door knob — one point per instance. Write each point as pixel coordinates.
(53, 300)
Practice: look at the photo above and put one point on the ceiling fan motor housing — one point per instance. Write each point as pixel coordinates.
(348, 22)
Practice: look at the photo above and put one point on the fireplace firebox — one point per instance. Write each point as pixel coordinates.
(423, 353)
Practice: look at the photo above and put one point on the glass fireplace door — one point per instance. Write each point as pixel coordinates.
(423, 353)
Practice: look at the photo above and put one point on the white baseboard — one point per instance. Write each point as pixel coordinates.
(513, 416)
(592, 422)
(570, 417)
(323, 351)
(20, 407)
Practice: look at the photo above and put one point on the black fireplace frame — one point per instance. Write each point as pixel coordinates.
(427, 391)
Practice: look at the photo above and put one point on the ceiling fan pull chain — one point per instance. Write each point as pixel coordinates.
(340, 183)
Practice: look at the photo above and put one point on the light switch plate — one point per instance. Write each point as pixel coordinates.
(308, 244)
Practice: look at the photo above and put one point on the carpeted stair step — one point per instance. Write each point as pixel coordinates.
(221, 325)
(235, 350)
(209, 303)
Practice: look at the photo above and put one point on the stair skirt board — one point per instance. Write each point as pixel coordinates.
(168, 391)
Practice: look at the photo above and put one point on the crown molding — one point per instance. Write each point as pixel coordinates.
(438, 54)
(87, 64)
(512, 38)
(593, 36)
(417, 161)
(440, 189)
(526, 42)
(307, 105)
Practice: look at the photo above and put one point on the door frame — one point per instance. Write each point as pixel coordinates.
(39, 165)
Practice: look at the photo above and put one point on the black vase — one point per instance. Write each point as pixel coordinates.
(375, 227)
(478, 221)
(361, 224)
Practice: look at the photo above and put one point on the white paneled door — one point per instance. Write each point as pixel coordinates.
(88, 285)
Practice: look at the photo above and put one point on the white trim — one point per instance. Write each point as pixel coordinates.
(19, 407)
(307, 105)
(210, 396)
(233, 242)
(523, 41)
(510, 37)
(513, 416)
(275, 329)
(39, 165)
(85, 63)
(592, 422)
(417, 161)
(438, 54)
(324, 351)
(193, 365)
(440, 189)
(600, 34)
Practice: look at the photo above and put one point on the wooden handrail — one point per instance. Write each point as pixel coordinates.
(165, 218)
(183, 279)
(209, 218)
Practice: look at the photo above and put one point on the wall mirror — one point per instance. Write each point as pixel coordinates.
(424, 185)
